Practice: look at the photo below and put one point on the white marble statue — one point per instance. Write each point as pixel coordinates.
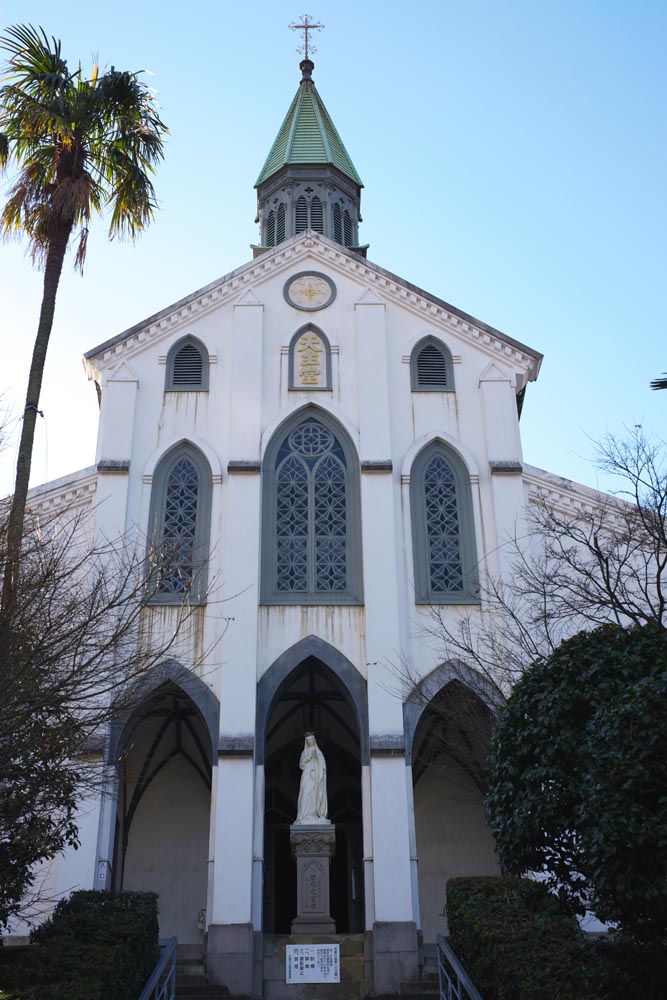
(312, 806)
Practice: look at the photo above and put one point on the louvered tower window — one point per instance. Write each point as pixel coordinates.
(431, 367)
(301, 216)
(179, 526)
(270, 240)
(337, 224)
(187, 367)
(443, 534)
(316, 215)
(280, 225)
(347, 229)
(308, 215)
(310, 547)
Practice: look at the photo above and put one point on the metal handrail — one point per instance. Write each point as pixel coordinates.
(458, 986)
(162, 982)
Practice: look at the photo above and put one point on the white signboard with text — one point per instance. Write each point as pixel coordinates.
(313, 963)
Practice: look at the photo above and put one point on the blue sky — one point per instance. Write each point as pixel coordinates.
(514, 162)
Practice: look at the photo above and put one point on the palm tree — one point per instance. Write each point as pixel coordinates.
(81, 146)
(659, 383)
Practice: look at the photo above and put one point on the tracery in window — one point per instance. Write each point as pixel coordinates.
(179, 519)
(311, 516)
(442, 528)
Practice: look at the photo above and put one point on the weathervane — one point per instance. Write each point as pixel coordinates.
(307, 24)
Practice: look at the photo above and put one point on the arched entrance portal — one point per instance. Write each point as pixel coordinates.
(449, 752)
(164, 800)
(312, 698)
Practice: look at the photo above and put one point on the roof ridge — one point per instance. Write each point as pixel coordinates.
(320, 120)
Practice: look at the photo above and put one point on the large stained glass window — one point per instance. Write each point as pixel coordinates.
(180, 514)
(309, 490)
(443, 528)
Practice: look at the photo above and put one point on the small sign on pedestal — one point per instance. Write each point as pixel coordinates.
(312, 963)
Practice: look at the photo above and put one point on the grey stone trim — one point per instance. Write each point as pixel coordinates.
(506, 468)
(92, 746)
(169, 670)
(119, 467)
(236, 746)
(350, 679)
(383, 465)
(230, 951)
(431, 685)
(387, 746)
(244, 466)
(395, 955)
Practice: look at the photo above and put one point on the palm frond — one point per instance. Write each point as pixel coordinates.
(82, 145)
(659, 383)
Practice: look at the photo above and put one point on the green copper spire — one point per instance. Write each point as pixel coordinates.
(308, 135)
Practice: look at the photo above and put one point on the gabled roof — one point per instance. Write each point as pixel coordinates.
(308, 135)
(284, 258)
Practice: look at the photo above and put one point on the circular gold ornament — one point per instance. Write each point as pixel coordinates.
(309, 291)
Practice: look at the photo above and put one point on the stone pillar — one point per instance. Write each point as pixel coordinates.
(313, 846)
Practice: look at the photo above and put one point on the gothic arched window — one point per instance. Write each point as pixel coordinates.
(311, 519)
(443, 531)
(179, 527)
(187, 367)
(431, 367)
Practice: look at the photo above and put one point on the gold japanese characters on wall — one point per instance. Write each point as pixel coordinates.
(309, 359)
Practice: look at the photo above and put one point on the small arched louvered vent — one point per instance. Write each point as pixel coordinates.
(187, 367)
(301, 215)
(316, 216)
(337, 224)
(431, 365)
(270, 240)
(347, 229)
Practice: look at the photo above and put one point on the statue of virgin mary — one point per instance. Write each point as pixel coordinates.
(312, 807)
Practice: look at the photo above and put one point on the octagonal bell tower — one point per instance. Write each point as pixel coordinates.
(308, 180)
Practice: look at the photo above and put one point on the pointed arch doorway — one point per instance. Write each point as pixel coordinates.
(163, 810)
(312, 698)
(448, 742)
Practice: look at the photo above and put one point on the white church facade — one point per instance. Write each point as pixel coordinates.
(325, 453)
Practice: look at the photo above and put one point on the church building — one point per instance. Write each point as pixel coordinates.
(322, 454)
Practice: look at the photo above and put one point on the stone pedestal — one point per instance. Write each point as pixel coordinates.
(313, 846)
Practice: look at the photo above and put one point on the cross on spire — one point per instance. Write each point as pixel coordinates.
(306, 24)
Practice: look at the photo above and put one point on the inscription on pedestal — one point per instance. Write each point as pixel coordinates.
(313, 848)
(312, 886)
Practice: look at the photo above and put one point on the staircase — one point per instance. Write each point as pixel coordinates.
(191, 983)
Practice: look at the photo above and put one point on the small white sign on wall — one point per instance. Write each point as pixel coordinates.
(312, 963)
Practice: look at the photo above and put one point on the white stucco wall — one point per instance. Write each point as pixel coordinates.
(168, 849)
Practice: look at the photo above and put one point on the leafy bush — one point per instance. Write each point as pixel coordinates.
(96, 946)
(578, 776)
(519, 942)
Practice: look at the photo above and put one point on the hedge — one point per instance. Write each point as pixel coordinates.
(518, 942)
(96, 946)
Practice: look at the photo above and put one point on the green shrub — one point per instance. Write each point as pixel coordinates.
(96, 946)
(519, 943)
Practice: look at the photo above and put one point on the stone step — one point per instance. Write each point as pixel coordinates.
(422, 988)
